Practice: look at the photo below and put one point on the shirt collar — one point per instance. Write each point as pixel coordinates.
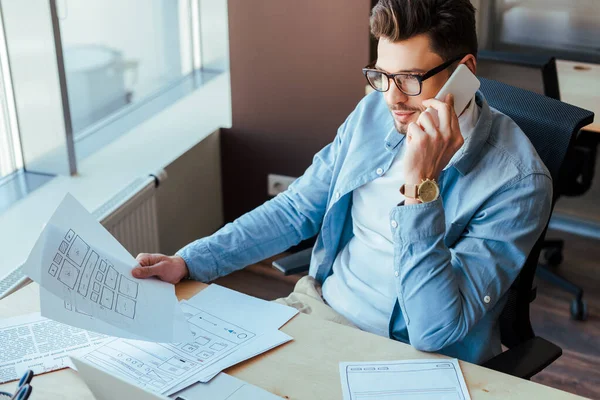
(466, 156)
(467, 122)
(468, 119)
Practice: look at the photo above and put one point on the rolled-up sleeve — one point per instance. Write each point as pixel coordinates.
(444, 291)
(271, 228)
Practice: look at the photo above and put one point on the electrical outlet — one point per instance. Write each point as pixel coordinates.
(278, 183)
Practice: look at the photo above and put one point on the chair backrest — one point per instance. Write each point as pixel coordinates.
(533, 72)
(551, 126)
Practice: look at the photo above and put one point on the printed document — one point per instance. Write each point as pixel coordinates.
(225, 324)
(42, 345)
(398, 380)
(77, 260)
(255, 347)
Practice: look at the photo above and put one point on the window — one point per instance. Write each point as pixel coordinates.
(10, 157)
(108, 65)
(119, 53)
(85, 72)
(7, 161)
(564, 28)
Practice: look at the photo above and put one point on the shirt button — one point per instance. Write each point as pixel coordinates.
(394, 224)
(379, 171)
(396, 274)
(337, 196)
(486, 299)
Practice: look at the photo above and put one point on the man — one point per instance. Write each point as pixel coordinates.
(431, 268)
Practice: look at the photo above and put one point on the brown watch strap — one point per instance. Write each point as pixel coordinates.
(409, 190)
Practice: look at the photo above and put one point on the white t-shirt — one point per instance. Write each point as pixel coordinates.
(363, 287)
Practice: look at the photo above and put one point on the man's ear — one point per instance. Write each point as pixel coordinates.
(471, 62)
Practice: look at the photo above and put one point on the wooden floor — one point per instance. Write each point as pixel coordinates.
(577, 371)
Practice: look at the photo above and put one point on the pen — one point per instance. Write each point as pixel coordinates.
(23, 393)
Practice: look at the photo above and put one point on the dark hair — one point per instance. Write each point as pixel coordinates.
(450, 24)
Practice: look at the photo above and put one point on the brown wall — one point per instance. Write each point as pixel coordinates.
(190, 204)
(295, 76)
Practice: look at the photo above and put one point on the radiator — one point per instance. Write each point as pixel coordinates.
(131, 215)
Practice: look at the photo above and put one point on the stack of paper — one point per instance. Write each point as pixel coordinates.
(228, 327)
(157, 342)
(42, 345)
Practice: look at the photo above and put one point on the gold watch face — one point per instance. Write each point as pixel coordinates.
(428, 191)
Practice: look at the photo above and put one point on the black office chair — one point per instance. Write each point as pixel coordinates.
(538, 73)
(533, 72)
(552, 137)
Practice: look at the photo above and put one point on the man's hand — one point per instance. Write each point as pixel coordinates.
(430, 148)
(170, 269)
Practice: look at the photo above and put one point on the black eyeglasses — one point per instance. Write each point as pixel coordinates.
(23, 390)
(409, 84)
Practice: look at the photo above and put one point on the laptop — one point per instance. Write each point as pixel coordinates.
(106, 386)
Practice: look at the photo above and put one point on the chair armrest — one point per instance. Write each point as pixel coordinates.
(295, 263)
(526, 359)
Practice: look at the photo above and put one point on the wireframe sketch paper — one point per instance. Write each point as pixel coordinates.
(60, 310)
(395, 380)
(259, 314)
(79, 261)
(220, 332)
(259, 345)
(42, 345)
(163, 367)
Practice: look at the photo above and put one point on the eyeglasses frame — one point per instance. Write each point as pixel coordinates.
(420, 77)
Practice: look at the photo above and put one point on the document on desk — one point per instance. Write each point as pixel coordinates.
(225, 387)
(398, 380)
(42, 345)
(77, 260)
(224, 324)
(260, 315)
(255, 347)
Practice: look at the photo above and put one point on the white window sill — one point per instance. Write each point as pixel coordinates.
(146, 149)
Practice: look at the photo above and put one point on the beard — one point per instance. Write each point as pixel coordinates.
(402, 127)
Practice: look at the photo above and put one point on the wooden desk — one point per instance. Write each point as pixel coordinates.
(306, 368)
(580, 85)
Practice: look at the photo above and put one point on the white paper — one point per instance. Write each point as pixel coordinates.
(219, 329)
(399, 380)
(42, 345)
(159, 366)
(60, 310)
(79, 261)
(225, 387)
(249, 311)
(258, 346)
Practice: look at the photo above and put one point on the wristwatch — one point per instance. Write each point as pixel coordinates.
(426, 191)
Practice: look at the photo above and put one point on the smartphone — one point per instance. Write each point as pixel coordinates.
(463, 85)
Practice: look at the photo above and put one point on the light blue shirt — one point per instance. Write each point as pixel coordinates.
(359, 286)
(454, 258)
